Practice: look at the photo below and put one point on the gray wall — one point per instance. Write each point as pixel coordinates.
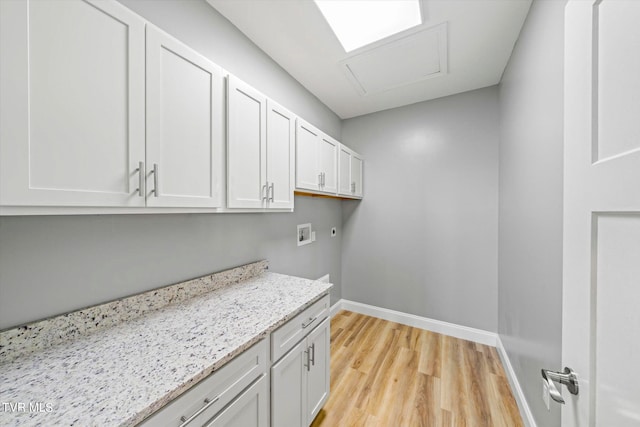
(425, 238)
(531, 155)
(50, 265)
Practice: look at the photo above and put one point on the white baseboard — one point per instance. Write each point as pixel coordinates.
(446, 328)
(336, 308)
(451, 329)
(518, 394)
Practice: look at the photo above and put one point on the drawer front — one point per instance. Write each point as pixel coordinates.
(289, 334)
(213, 393)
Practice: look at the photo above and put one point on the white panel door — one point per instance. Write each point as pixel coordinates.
(601, 283)
(328, 163)
(356, 175)
(249, 409)
(318, 375)
(72, 105)
(246, 148)
(280, 156)
(344, 171)
(184, 125)
(289, 388)
(307, 162)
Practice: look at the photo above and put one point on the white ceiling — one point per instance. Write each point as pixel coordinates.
(462, 45)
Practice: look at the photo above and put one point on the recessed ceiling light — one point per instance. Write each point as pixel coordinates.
(357, 23)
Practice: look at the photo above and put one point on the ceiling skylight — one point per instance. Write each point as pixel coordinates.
(357, 23)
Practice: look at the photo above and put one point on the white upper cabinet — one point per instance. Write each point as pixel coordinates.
(307, 170)
(357, 182)
(350, 165)
(316, 160)
(185, 102)
(260, 150)
(328, 163)
(72, 105)
(280, 156)
(246, 149)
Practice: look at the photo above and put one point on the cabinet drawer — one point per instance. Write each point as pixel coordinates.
(218, 389)
(289, 334)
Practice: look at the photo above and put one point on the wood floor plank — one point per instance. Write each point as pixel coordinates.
(385, 374)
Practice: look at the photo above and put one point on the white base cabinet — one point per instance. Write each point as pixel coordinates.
(300, 379)
(250, 409)
(239, 391)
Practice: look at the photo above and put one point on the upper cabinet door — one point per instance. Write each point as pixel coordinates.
(356, 175)
(307, 170)
(72, 105)
(246, 154)
(280, 156)
(344, 171)
(328, 159)
(185, 101)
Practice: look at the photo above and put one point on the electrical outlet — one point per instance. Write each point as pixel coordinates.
(334, 231)
(545, 394)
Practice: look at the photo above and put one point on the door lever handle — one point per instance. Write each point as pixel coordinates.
(568, 378)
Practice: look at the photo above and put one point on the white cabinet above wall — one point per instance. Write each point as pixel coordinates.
(185, 125)
(80, 83)
(349, 173)
(324, 166)
(73, 104)
(260, 150)
(316, 160)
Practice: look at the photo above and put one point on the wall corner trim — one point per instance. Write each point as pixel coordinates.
(518, 394)
(451, 329)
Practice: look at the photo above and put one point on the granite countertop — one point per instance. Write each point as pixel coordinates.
(120, 374)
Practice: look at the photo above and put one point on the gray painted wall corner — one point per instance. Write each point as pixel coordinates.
(530, 231)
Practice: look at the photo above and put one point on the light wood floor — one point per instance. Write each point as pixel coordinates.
(390, 375)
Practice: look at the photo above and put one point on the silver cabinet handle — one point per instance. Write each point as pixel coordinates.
(568, 378)
(323, 181)
(353, 187)
(308, 364)
(155, 180)
(141, 174)
(311, 320)
(265, 189)
(273, 192)
(313, 354)
(207, 402)
(320, 179)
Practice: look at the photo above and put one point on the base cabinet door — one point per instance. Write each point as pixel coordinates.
(250, 409)
(289, 388)
(318, 373)
(72, 106)
(300, 380)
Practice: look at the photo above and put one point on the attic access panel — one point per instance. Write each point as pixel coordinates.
(404, 60)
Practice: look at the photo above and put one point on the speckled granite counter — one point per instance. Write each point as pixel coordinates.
(120, 373)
